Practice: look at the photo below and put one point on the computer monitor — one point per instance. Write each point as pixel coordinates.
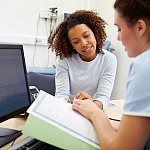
(14, 90)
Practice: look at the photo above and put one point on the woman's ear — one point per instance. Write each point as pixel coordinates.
(140, 27)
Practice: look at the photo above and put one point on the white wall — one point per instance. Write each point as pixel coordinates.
(20, 23)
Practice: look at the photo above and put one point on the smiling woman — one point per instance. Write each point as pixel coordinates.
(83, 69)
(83, 41)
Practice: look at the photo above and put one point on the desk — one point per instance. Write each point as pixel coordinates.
(14, 123)
(113, 111)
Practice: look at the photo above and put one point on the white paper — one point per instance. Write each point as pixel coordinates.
(60, 114)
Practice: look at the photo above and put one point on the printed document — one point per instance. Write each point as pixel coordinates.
(59, 113)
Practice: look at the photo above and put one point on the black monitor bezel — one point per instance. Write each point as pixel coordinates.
(23, 109)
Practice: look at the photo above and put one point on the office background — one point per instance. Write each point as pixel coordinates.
(22, 23)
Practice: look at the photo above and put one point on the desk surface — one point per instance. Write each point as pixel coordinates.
(14, 123)
(113, 111)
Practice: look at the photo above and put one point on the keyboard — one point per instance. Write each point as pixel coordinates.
(32, 144)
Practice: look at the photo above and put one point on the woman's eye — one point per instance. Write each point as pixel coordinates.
(85, 36)
(119, 30)
(75, 42)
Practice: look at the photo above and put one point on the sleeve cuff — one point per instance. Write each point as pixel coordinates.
(105, 103)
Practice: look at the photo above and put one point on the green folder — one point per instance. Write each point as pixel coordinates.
(50, 134)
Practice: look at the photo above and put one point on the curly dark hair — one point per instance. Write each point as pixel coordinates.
(59, 41)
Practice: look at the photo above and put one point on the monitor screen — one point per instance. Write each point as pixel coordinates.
(14, 90)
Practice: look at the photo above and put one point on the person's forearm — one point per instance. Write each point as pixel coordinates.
(105, 132)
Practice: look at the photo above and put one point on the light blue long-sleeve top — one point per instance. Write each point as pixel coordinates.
(137, 102)
(95, 77)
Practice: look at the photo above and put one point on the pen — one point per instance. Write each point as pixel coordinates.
(114, 119)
